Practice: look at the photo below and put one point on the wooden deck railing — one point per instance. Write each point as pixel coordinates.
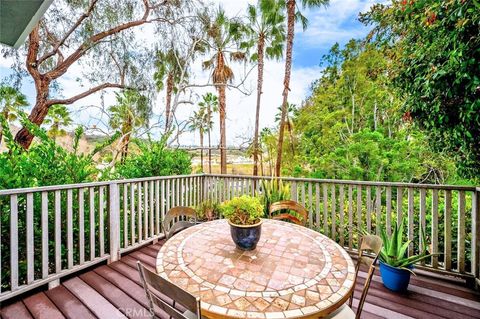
(49, 232)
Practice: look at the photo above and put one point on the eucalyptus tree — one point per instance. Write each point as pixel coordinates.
(94, 41)
(12, 102)
(222, 38)
(293, 14)
(170, 72)
(58, 117)
(210, 104)
(131, 112)
(264, 30)
(200, 121)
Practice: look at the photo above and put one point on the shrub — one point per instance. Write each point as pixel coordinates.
(243, 210)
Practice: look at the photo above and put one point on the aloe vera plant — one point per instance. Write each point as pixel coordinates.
(274, 191)
(394, 250)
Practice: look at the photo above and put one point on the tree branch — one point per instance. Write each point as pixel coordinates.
(69, 32)
(86, 93)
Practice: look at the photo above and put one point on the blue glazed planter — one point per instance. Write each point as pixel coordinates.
(246, 237)
(395, 279)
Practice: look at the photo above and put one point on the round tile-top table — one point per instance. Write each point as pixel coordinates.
(294, 272)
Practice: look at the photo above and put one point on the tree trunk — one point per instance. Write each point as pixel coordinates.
(209, 154)
(126, 143)
(24, 138)
(223, 137)
(201, 149)
(260, 50)
(168, 102)
(209, 110)
(286, 81)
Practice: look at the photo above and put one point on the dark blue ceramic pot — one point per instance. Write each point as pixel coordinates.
(246, 237)
(395, 279)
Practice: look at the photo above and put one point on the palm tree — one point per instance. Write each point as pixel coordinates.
(11, 103)
(199, 121)
(291, 113)
(210, 104)
(131, 112)
(265, 30)
(292, 15)
(170, 67)
(58, 116)
(222, 34)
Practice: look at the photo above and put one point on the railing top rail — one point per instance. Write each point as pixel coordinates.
(353, 182)
(18, 191)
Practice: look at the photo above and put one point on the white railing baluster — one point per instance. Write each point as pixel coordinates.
(447, 224)
(14, 242)
(152, 207)
(310, 205)
(388, 218)
(30, 241)
(341, 200)
(101, 219)
(317, 206)
(69, 228)
(350, 217)
(133, 233)
(157, 207)
(114, 221)
(44, 221)
(423, 211)
(369, 209)
(58, 231)
(125, 215)
(435, 227)
(333, 234)
(325, 209)
(378, 210)
(461, 232)
(410, 220)
(81, 225)
(91, 210)
(139, 212)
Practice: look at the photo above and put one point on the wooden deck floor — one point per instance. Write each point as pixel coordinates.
(114, 291)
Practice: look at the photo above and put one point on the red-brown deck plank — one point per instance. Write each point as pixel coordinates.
(98, 304)
(68, 304)
(15, 311)
(116, 296)
(100, 292)
(41, 307)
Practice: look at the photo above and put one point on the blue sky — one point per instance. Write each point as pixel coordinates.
(336, 23)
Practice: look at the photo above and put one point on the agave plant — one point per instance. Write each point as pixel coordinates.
(393, 252)
(274, 191)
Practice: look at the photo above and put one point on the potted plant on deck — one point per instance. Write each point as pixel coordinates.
(395, 266)
(207, 210)
(244, 216)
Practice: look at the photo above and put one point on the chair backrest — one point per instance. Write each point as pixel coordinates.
(155, 286)
(178, 218)
(289, 205)
(370, 246)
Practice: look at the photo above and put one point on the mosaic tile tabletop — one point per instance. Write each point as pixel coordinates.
(294, 272)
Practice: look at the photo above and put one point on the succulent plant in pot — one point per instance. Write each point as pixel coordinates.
(244, 216)
(395, 265)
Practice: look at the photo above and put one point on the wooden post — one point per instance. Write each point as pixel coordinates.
(476, 236)
(114, 221)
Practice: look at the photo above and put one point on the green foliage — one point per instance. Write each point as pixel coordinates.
(274, 191)
(243, 210)
(436, 49)
(352, 126)
(45, 163)
(57, 117)
(394, 250)
(207, 210)
(154, 159)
